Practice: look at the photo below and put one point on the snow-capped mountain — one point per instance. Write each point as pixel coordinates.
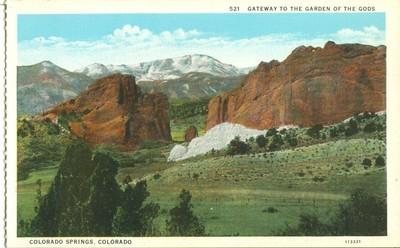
(42, 85)
(193, 85)
(165, 69)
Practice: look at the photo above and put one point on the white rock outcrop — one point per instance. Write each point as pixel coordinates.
(216, 138)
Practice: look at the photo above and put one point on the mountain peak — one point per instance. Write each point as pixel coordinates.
(47, 63)
(164, 69)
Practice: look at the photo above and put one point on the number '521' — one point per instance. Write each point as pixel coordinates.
(233, 8)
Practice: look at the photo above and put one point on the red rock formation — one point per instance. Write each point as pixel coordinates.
(190, 133)
(311, 86)
(114, 111)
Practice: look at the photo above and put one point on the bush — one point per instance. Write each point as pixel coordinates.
(261, 141)
(309, 224)
(301, 174)
(318, 179)
(352, 127)
(363, 214)
(236, 146)
(276, 142)
(271, 132)
(314, 131)
(333, 132)
(367, 163)
(370, 127)
(196, 176)
(380, 161)
(270, 210)
(182, 221)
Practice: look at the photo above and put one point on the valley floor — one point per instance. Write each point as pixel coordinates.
(250, 195)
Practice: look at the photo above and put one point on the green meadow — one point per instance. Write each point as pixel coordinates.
(232, 195)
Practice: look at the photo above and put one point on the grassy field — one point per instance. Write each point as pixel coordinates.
(232, 194)
(27, 190)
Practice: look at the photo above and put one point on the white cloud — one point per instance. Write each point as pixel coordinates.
(133, 44)
(368, 35)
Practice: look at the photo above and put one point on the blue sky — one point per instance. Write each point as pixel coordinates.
(240, 39)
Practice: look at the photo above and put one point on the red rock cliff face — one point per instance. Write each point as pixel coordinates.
(311, 86)
(114, 111)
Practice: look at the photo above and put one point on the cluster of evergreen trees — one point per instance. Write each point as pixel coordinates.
(275, 139)
(271, 141)
(188, 109)
(86, 200)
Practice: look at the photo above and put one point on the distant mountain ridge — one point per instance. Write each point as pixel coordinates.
(45, 84)
(192, 85)
(166, 69)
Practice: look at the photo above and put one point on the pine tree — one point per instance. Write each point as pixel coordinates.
(134, 218)
(182, 221)
(82, 199)
(104, 195)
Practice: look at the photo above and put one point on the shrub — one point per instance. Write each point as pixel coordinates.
(318, 179)
(196, 176)
(261, 141)
(301, 174)
(271, 132)
(367, 163)
(370, 127)
(309, 224)
(333, 132)
(236, 146)
(182, 221)
(270, 210)
(362, 215)
(276, 142)
(352, 127)
(380, 161)
(314, 131)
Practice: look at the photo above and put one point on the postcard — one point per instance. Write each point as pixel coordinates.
(202, 123)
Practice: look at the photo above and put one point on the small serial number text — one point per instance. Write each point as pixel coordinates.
(352, 241)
